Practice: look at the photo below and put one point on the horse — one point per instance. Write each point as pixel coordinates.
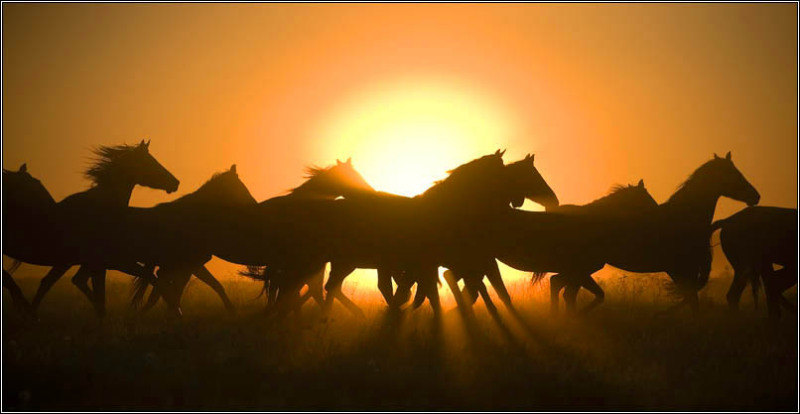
(416, 235)
(328, 183)
(621, 202)
(472, 270)
(672, 238)
(116, 171)
(174, 234)
(31, 205)
(753, 240)
(296, 235)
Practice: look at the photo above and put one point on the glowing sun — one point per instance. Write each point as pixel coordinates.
(404, 136)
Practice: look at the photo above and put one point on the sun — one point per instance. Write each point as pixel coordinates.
(403, 136)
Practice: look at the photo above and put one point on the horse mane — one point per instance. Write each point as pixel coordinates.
(319, 181)
(692, 178)
(105, 160)
(457, 176)
(613, 191)
(312, 172)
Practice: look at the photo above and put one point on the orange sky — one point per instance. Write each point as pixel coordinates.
(602, 94)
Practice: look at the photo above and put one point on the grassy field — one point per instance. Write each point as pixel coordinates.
(623, 356)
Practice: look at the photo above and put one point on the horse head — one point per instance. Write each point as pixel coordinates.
(524, 181)
(22, 187)
(624, 199)
(132, 164)
(729, 181)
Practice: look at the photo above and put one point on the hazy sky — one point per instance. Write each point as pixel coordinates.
(602, 94)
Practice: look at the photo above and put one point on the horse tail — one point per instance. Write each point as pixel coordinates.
(257, 273)
(537, 277)
(705, 270)
(138, 290)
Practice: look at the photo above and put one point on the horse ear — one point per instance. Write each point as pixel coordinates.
(728, 156)
(233, 168)
(349, 161)
(23, 168)
(338, 162)
(147, 144)
(716, 157)
(500, 153)
(641, 183)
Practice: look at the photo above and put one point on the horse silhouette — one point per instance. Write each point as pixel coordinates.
(328, 183)
(417, 235)
(674, 237)
(753, 240)
(621, 203)
(472, 270)
(31, 205)
(69, 223)
(116, 171)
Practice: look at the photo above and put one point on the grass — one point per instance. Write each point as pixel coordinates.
(623, 356)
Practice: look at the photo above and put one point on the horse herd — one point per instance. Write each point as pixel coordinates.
(463, 223)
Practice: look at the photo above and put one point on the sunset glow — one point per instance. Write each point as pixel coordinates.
(404, 135)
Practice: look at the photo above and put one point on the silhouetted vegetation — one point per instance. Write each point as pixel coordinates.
(623, 357)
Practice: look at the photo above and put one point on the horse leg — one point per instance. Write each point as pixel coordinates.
(403, 292)
(316, 287)
(571, 295)
(784, 279)
(496, 280)
(206, 277)
(349, 304)
(152, 299)
(81, 281)
(773, 301)
(16, 293)
(557, 282)
(334, 284)
(99, 289)
(385, 285)
(452, 282)
(432, 290)
(599, 296)
(740, 278)
(46, 284)
(171, 283)
(285, 300)
(470, 291)
(487, 300)
(344, 300)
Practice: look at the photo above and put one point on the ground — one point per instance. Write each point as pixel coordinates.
(623, 356)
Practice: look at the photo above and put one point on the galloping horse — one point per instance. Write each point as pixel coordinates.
(31, 205)
(673, 238)
(339, 180)
(753, 240)
(417, 235)
(79, 218)
(622, 202)
(475, 262)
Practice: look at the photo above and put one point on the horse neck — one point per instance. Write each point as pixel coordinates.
(480, 196)
(311, 189)
(693, 203)
(114, 192)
